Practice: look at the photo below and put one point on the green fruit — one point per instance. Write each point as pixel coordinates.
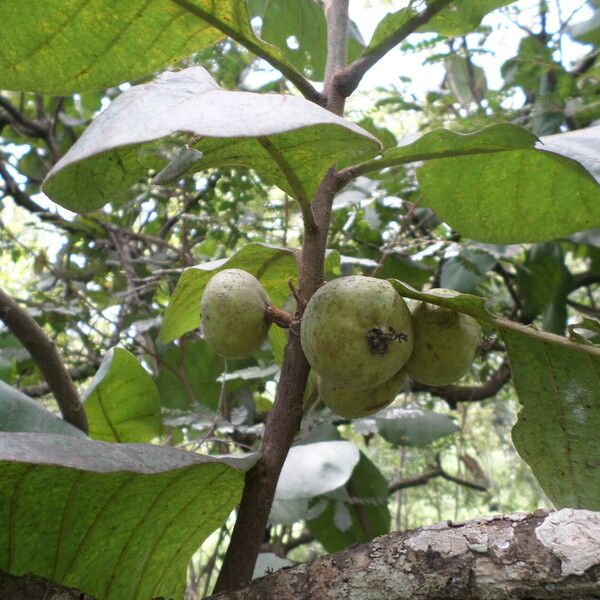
(233, 313)
(356, 332)
(445, 344)
(352, 403)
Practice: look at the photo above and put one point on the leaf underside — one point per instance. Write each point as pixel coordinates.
(288, 140)
(117, 521)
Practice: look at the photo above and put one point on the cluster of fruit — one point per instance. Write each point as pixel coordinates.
(358, 334)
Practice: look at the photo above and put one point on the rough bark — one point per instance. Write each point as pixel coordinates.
(32, 587)
(520, 556)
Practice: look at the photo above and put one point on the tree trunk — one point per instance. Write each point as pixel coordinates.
(32, 587)
(520, 556)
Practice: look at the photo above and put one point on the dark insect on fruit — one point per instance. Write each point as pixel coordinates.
(379, 340)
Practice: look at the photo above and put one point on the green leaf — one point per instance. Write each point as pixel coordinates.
(299, 29)
(122, 403)
(18, 412)
(190, 369)
(544, 283)
(67, 46)
(466, 81)
(443, 143)
(464, 271)
(117, 521)
(413, 427)
(278, 339)
(506, 197)
(465, 303)
(365, 499)
(526, 69)
(494, 185)
(557, 428)
(388, 26)
(272, 266)
(290, 141)
(462, 16)
(305, 21)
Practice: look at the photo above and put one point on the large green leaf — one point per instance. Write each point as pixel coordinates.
(506, 197)
(495, 185)
(18, 412)
(122, 403)
(290, 141)
(117, 521)
(65, 46)
(558, 430)
(272, 266)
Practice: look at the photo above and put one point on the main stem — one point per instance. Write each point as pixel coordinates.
(285, 417)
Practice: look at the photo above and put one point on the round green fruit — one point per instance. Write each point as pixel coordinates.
(233, 313)
(352, 403)
(356, 332)
(445, 344)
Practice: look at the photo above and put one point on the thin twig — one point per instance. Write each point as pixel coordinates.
(347, 81)
(44, 353)
(468, 393)
(303, 85)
